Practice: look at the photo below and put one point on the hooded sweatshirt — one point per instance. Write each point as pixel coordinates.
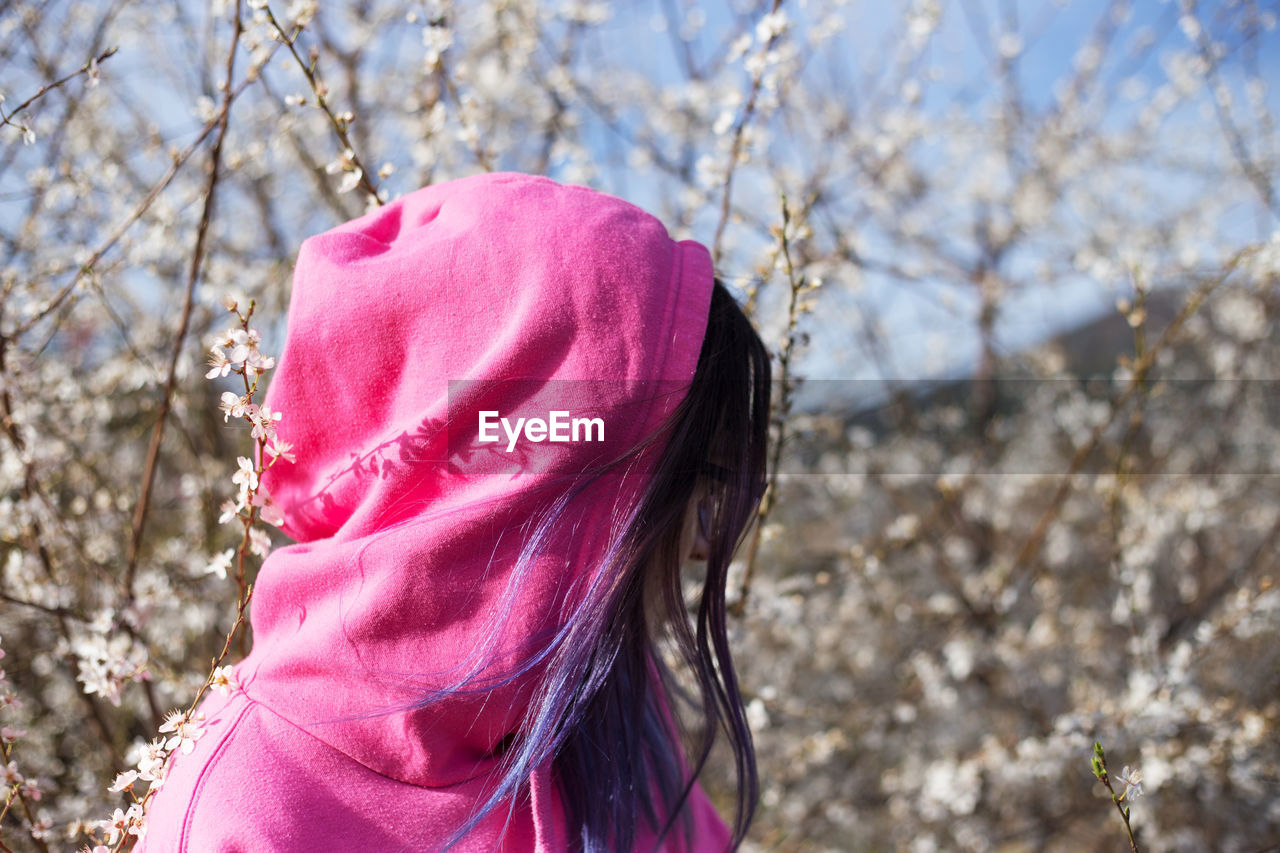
(418, 333)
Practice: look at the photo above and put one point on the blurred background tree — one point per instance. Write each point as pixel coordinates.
(1022, 307)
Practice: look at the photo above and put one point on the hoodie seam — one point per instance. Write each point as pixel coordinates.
(206, 771)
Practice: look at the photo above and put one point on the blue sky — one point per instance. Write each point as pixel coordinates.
(926, 338)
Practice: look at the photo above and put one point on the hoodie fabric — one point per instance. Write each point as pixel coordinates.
(495, 296)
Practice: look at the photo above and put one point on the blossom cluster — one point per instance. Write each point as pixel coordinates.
(900, 646)
(234, 352)
(107, 658)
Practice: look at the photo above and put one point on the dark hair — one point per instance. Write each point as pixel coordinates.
(604, 710)
(723, 419)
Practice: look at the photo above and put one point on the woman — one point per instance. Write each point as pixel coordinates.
(517, 407)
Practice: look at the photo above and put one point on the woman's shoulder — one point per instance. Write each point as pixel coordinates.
(253, 781)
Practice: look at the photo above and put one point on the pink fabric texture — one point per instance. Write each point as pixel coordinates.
(504, 293)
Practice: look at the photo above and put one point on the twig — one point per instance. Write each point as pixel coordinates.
(1256, 176)
(245, 594)
(320, 89)
(1099, 763)
(87, 267)
(44, 608)
(4, 119)
(781, 411)
(127, 840)
(15, 793)
(739, 128)
(193, 276)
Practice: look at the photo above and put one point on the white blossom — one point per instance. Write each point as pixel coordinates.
(246, 476)
(1131, 779)
(185, 731)
(220, 564)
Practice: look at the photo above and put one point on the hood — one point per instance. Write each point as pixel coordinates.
(413, 331)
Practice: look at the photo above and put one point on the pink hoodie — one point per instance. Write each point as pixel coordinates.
(503, 293)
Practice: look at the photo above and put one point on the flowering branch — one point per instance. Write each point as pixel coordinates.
(235, 351)
(470, 131)
(1257, 175)
(798, 284)
(91, 67)
(774, 23)
(354, 172)
(1131, 779)
(84, 271)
